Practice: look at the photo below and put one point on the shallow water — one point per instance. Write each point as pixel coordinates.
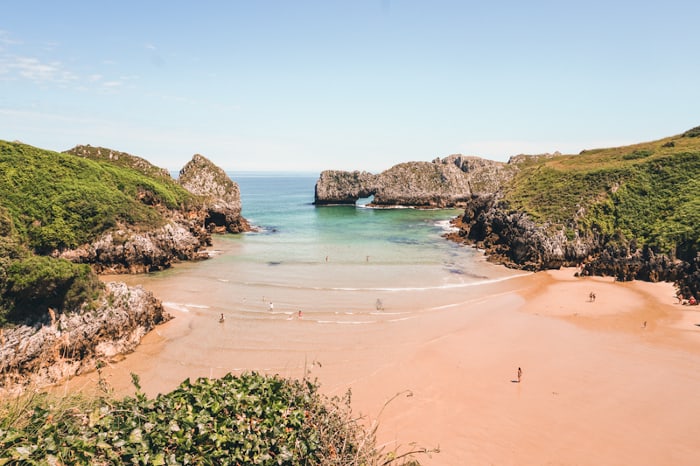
(337, 264)
(339, 280)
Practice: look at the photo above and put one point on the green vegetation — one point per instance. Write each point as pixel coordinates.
(692, 133)
(649, 193)
(60, 201)
(249, 419)
(36, 283)
(53, 201)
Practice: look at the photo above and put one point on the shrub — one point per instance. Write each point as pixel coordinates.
(250, 419)
(36, 283)
(692, 133)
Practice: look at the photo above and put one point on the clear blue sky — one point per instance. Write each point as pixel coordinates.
(310, 85)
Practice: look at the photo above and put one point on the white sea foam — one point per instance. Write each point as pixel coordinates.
(176, 306)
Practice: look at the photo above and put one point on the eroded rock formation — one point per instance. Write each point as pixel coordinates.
(447, 182)
(72, 343)
(128, 251)
(187, 230)
(221, 196)
(513, 239)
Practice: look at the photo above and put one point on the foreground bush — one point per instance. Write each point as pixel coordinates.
(250, 419)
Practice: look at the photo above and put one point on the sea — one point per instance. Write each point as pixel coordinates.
(327, 283)
(335, 264)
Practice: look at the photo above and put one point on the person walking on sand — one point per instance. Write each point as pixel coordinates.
(271, 307)
(520, 374)
(222, 318)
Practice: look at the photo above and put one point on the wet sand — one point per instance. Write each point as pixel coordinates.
(598, 386)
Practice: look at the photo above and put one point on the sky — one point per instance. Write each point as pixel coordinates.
(348, 85)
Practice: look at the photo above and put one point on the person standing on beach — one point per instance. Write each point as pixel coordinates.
(520, 374)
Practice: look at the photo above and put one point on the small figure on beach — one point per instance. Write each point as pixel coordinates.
(271, 307)
(222, 318)
(379, 305)
(520, 374)
(591, 297)
(692, 301)
(679, 297)
(644, 325)
(300, 314)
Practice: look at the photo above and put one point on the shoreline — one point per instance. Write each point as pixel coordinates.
(598, 387)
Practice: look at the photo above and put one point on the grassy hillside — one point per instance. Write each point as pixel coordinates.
(648, 192)
(51, 201)
(61, 200)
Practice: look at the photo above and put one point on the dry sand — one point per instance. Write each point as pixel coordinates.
(598, 387)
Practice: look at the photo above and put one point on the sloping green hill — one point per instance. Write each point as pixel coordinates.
(50, 201)
(648, 192)
(58, 200)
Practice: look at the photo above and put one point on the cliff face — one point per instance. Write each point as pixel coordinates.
(512, 238)
(447, 182)
(128, 251)
(221, 196)
(73, 343)
(515, 240)
(115, 212)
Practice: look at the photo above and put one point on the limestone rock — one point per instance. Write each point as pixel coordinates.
(447, 182)
(74, 343)
(221, 196)
(127, 251)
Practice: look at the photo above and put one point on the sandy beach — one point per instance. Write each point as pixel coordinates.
(613, 381)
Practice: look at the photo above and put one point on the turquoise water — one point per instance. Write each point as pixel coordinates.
(339, 264)
(295, 231)
(356, 274)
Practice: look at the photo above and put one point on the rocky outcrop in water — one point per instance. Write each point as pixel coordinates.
(447, 182)
(68, 344)
(221, 196)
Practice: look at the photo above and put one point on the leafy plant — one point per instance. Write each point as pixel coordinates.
(250, 419)
(36, 283)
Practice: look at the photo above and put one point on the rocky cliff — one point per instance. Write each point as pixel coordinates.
(128, 250)
(66, 344)
(447, 182)
(113, 211)
(629, 212)
(221, 196)
(187, 228)
(514, 239)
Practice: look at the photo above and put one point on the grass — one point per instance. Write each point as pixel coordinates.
(60, 201)
(55, 201)
(648, 192)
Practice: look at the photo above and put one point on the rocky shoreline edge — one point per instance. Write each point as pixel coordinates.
(60, 345)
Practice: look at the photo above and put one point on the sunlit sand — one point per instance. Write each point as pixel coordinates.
(610, 381)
